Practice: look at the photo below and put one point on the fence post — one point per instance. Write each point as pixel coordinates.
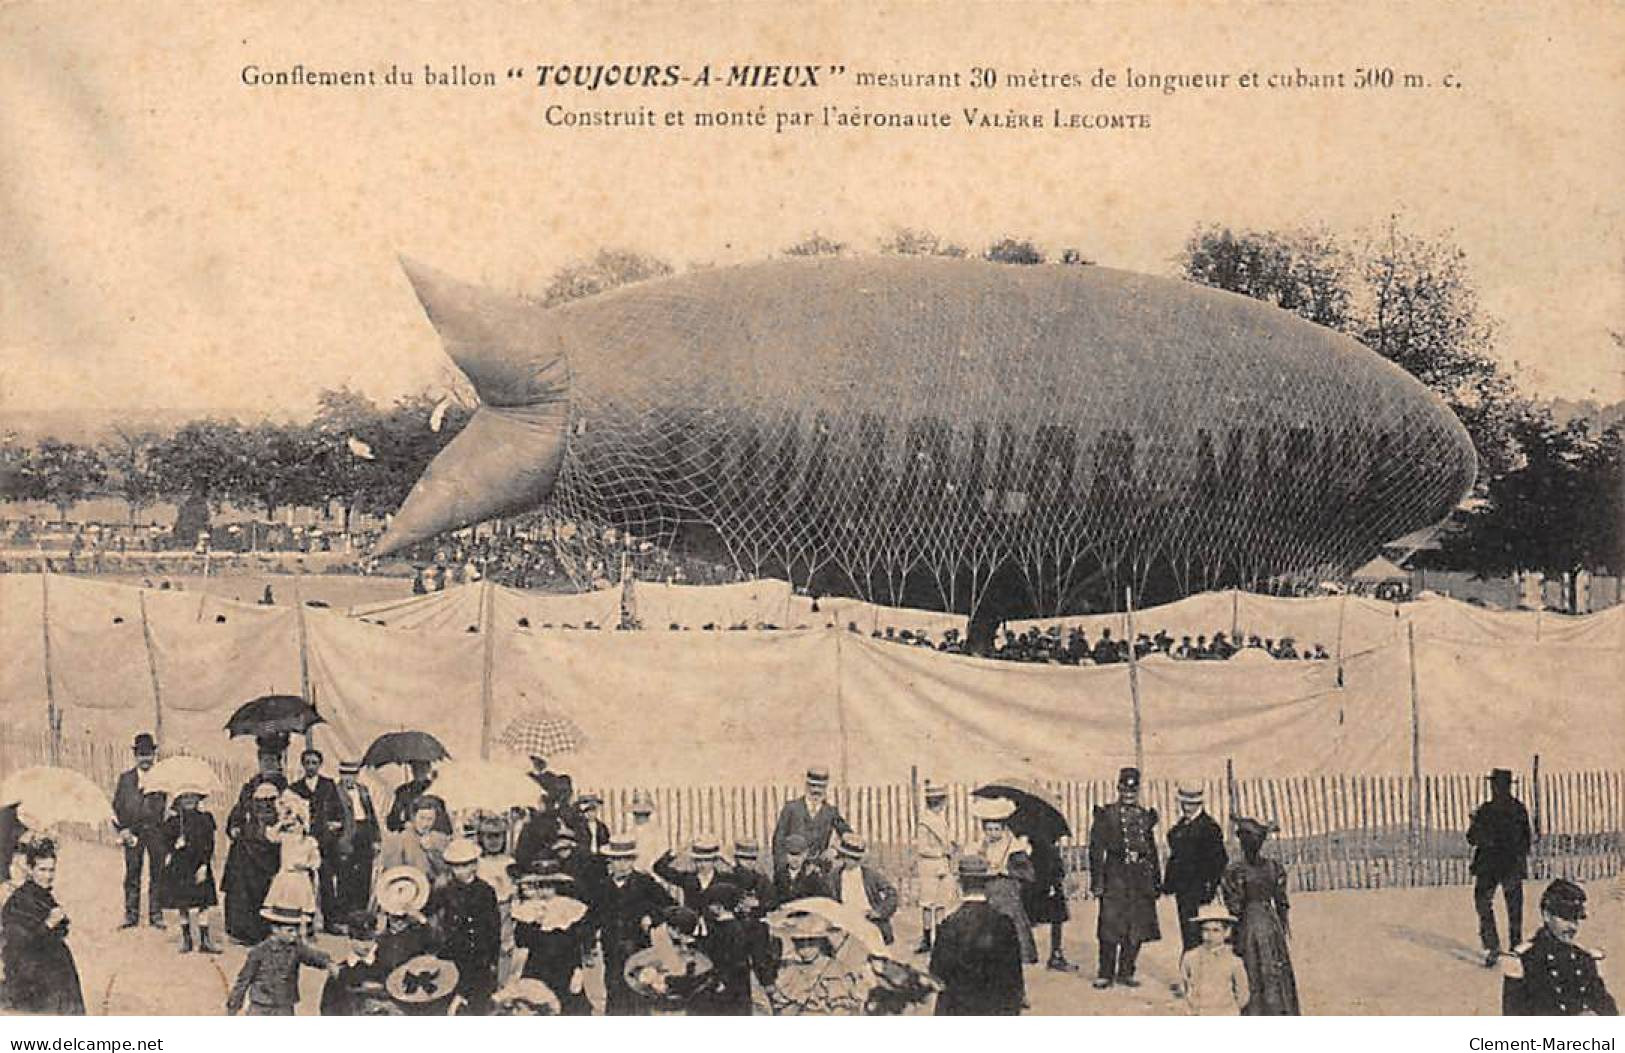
(1230, 788)
(1134, 678)
(487, 666)
(1416, 749)
(1342, 607)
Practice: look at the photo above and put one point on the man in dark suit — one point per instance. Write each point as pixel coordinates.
(1500, 835)
(138, 815)
(855, 883)
(798, 877)
(1196, 860)
(406, 796)
(356, 846)
(755, 886)
(696, 880)
(632, 903)
(812, 816)
(977, 954)
(326, 825)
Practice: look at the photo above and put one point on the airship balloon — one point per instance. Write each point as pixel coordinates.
(996, 440)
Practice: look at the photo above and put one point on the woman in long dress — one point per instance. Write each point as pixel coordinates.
(41, 975)
(553, 931)
(1009, 861)
(251, 863)
(1254, 890)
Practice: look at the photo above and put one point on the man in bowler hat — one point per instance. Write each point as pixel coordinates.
(1123, 872)
(138, 815)
(1500, 835)
(1196, 860)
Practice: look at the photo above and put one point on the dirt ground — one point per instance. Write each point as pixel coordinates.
(1389, 952)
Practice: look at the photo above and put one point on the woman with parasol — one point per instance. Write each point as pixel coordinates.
(1037, 820)
(419, 751)
(252, 862)
(1010, 868)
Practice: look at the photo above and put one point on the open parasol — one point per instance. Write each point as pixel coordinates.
(46, 796)
(404, 747)
(273, 715)
(178, 775)
(485, 785)
(539, 733)
(1038, 811)
(840, 916)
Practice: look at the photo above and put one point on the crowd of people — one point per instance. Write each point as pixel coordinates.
(1052, 646)
(417, 910)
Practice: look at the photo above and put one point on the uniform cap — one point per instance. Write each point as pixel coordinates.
(1565, 899)
(1128, 779)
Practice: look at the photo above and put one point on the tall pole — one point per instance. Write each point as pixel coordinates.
(1134, 680)
(152, 668)
(1342, 607)
(305, 690)
(488, 666)
(1416, 742)
(53, 719)
(1235, 617)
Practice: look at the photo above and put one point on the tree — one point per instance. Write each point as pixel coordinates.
(609, 269)
(906, 241)
(1410, 299)
(63, 474)
(279, 467)
(815, 244)
(128, 456)
(1013, 250)
(343, 415)
(203, 459)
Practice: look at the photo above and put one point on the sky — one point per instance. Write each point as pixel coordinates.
(172, 238)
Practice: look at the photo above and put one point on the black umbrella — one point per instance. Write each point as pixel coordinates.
(403, 747)
(273, 715)
(1037, 809)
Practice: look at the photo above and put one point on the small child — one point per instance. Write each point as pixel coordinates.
(187, 883)
(269, 980)
(301, 858)
(1215, 979)
(356, 981)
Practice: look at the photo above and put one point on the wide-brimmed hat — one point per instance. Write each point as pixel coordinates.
(803, 926)
(423, 979)
(992, 809)
(401, 890)
(540, 872)
(1245, 825)
(282, 914)
(852, 846)
(1212, 912)
(1499, 775)
(461, 851)
(530, 992)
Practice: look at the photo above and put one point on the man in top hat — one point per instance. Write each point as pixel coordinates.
(138, 815)
(799, 876)
(977, 953)
(1123, 871)
(1551, 975)
(755, 885)
(694, 881)
(861, 886)
(934, 853)
(632, 904)
(326, 826)
(1196, 860)
(465, 915)
(356, 845)
(812, 815)
(1500, 835)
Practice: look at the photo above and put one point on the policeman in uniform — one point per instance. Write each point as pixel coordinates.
(1123, 872)
(1551, 975)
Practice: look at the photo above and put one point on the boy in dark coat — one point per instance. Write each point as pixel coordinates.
(977, 954)
(464, 913)
(1196, 861)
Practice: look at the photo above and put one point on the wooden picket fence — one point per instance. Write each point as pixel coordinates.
(1334, 831)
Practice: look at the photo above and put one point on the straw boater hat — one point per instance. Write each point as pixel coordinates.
(1191, 792)
(621, 846)
(401, 890)
(818, 775)
(804, 926)
(852, 846)
(993, 809)
(350, 767)
(642, 803)
(747, 848)
(461, 851)
(282, 914)
(935, 790)
(704, 849)
(1212, 912)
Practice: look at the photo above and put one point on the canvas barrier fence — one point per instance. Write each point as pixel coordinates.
(98, 662)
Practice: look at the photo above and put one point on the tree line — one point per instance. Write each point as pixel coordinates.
(1548, 496)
